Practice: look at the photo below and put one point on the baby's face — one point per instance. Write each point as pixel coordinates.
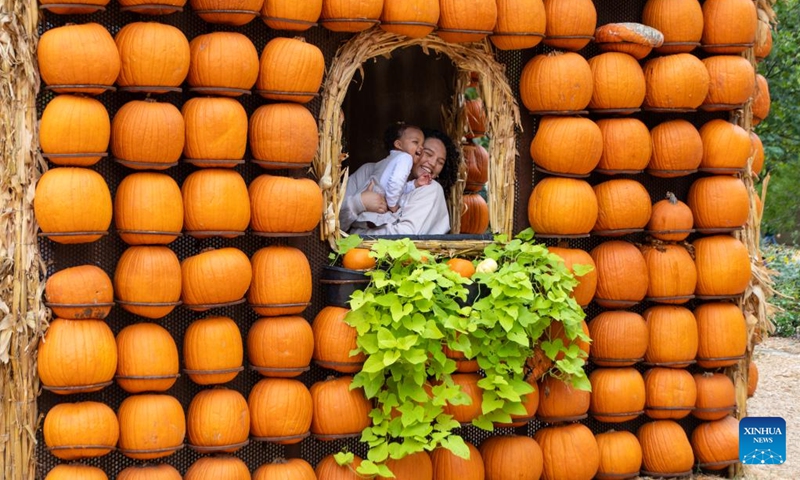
(410, 142)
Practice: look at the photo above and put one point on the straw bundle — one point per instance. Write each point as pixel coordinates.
(22, 315)
(502, 118)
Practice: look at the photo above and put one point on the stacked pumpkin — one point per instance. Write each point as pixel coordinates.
(475, 210)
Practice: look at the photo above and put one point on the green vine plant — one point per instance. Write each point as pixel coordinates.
(415, 305)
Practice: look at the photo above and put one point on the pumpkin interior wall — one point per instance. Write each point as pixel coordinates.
(105, 252)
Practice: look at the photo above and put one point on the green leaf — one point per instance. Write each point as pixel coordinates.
(390, 357)
(348, 243)
(344, 458)
(456, 445)
(374, 363)
(386, 338)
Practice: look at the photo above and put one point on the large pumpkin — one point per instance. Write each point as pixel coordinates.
(291, 15)
(148, 209)
(570, 452)
(587, 283)
(729, 26)
(281, 281)
(147, 281)
(626, 145)
(671, 393)
(70, 427)
(666, 451)
(215, 202)
(761, 99)
(621, 274)
(723, 266)
(552, 148)
(512, 456)
(213, 350)
(218, 420)
(618, 82)
(719, 202)
(477, 160)
(562, 206)
(671, 220)
(223, 63)
(349, 16)
(72, 125)
(461, 21)
(722, 334)
(283, 135)
(78, 58)
(285, 469)
(280, 346)
(146, 134)
(622, 205)
(446, 465)
(216, 132)
(474, 214)
(214, 278)
(716, 396)
(338, 410)
(677, 149)
(620, 455)
(77, 356)
(673, 336)
(675, 82)
(147, 358)
(726, 146)
(671, 273)
(559, 401)
(618, 394)
(619, 338)
(75, 471)
(150, 426)
(218, 467)
(154, 56)
(290, 70)
(716, 444)
(570, 23)
(334, 340)
(282, 205)
(681, 22)
(280, 411)
(520, 24)
(417, 466)
(227, 12)
(79, 292)
(72, 205)
(410, 18)
(732, 81)
(556, 82)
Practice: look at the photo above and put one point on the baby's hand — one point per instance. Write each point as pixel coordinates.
(422, 180)
(394, 209)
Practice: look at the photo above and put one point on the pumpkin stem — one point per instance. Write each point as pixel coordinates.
(673, 200)
(279, 461)
(302, 39)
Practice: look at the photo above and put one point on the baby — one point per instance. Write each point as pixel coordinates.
(404, 142)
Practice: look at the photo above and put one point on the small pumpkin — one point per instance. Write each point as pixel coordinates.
(716, 396)
(559, 401)
(72, 125)
(154, 56)
(622, 275)
(218, 467)
(148, 281)
(721, 34)
(290, 70)
(462, 266)
(283, 135)
(148, 209)
(626, 145)
(227, 12)
(281, 281)
(553, 150)
(732, 81)
(284, 205)
(716, 444)
(671, 220)
(461, 22)
(567, 20)
(587, 283)
(761, 99)
(675, 82)
(334, 339)
(215, 277)
(146, 134)
(358, 259)
(75, 471)
(148, 358)
(620, 455)
(347, 16)
(474, 214)
(622, 205)
(618, 82)
(213, 350)
(68, 427)
(671, 393)
(671, 273)
(338, 410)
(448, 465)
(556, 81)
(410, 18)
(722, 334)
(673, 337)
(291, 15)
(666, 450)
(677, 149)
(218, 420)
(562, 206)
(520, 24)
(681, 22)
(503, 457)
(723, 266)
(222, 63)
(150, 426)
(285, 469)
(86, 286)
(618, 394)
(215, 202)
(280, 346)
(477, 160)
(216, 131)
(619, 338)
(280, 410)
(569, 451)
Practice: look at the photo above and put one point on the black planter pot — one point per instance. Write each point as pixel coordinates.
(340, 283)
(473, 294)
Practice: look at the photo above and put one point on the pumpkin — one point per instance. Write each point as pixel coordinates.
(284, 205)
(622, 205)
(559, 401)
(635, 39)
(68, 427)
(716, 396)
(80, 7)
(416, 466)
(358, 259)
(152, 55)
(671, 273)
(348, 16)
(150, 7)
(67, 364)
(618, 394)
(219, 467)
(763, 46)
(148, 209)
(462, 266)
(530, 402)
(463, 364)
(280, 346)
(761, 99)
(666, 451)
(677, 149)
(334, 339)
(512, 456)
(729, 26)
(681, 22)
(620, 455)
(227, 12)
(410, 18)
(618, 82)
(722, 334)
(726, 146)
(476, 117)
(622, 275)
(474, 214)
(675, 82)
(468, 384)
(461, 21)
(146, 134)
(520, 24)
(626, 145)
(72, 125)
(215, 202)
(338, 410)
(218, 420)
(716, 444)
(285, 469)
(723, 266)
(719, 201)
(150, 426)
(290, 70)
(672, 336)
(329, 469)
(567, 19)
(477, 159)
(587, 283)
(79, 292)
(757, 162)
(447, 465)
(752, 378)
(283, 135)
(281, 281)
(619, 338)
(212, 350)
(78, 58)
(148, 358)
(160, 471)
(671, 393)
(555, 331)
(291, 15)
(570, 452)
(280, 410)
(552, 148)
(732, 81)
(147, 281)
(75, 471)
(216, 131)
(556, 81)
(562, 206)
(215, 277)
(671, 220)
(72, 205)
(222, 63)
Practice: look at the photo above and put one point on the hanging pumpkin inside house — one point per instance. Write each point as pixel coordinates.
(475, 214)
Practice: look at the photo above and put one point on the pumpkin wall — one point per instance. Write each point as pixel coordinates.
(184, 275)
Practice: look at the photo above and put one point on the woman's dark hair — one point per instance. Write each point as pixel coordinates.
(449, 174)
(394, 132)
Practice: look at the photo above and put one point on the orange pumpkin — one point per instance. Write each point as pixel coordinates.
(67, 365)
(223, 63)
(447, 465)
(150, 426)
(520, 24)
(280, 410)
(729, 26)
(284, 205)
(461, 22)
(216, 131)
(552, 148)
(671, 219)
(635, 39)
(153, 55)
(671, 393)
(290, 70)
(556, 332)
(66, 8)
(147, 281)
(502, 459)
(281, 281)
(280, 346)
(227, 12)
(148, 209)
(619, 338)
(567, 19)
(719, 201)
(73, 125)
(218, 420)
(716, 444)
(75, 471)
(410, 18)
(474, 214)
(215, 277)
(347, 16)
(556, 82)
(68, 427)
(79, 292)
(722, 334)
(569, 452)
(329, 469)
(215, 202)
(283, 135)
(618, 82)
(620, 455)
(681, 22)
(477, 159)
(761, 99)
(218, 467)
(723, 266)
(334, 339)
(358, 259)
(417, 466)
(626, 144)
(148, 358)
(284, 469)
(671, 273)
(150, 7)
(559, 401)
(146, 134)
(462, 266)
(757, 162)
(530, 402)
(587, 283)
(752, 378)
(468, 384)
(732, 81)
(763, 46)
(677, 149)
(622, 276)
(679, 81)
(622, 205)
(618, 394)
(72, 205)
(666, 450)
(476, 117)
(291, 15)
(672, 336)
(562, 206)
(716, 396)
(212, 350)
(726, 146)
(338, 410)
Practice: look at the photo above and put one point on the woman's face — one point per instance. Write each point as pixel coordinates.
(431, 161)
